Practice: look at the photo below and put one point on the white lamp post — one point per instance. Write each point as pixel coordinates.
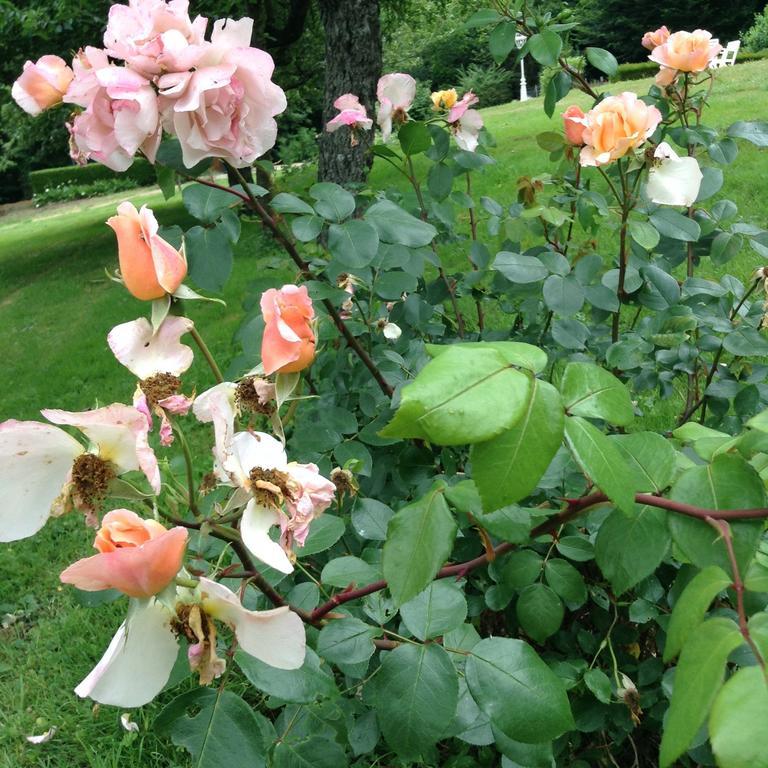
(520, 42)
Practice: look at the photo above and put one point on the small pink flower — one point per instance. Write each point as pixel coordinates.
(137, 557)
(465, 123)
(653, 39)
(288, 344)
(458, 110)
(395, 93)
(313, 495)
(351, 113)
(574, 124)
(42, 85)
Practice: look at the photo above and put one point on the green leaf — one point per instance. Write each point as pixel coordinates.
(520, 694)
(629, 548)
(518, 268)
(354, 243)
(539, 611)
(591, 391)
(557, 88)
(729, 482)
(217, 728)
(746, 342)
(644, 234)
(515, 754)
(347, 641)
(323, 533)
(440, 608)
(334, 203)
(502, 40)
(395, 225)
(520, 568)
(205, 203)
(755, 132)
(599, 684)
(603, 60)
(209, 257)
(698, 678)
(563, 295)
(313, 751)
(462, 396)
(651, 458)
(343, 571)
(737, 721)
(307, 228)
(416, 694)
(676, 226)
(287, 203)
(414, 138)
(166, 180)
(419, 540)
(509, 467)
(169, 153)
(440, 181)
(516, 353)
(601, 461)
(545, 47)
(510, 523)
(370, 519)
(566, 581)
(301, 686)
(691, 607)
(482, 18)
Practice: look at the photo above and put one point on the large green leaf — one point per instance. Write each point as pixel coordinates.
(206, 203)
(603, 60)
(436, 610)
(346, 570)
(520, 694)
(354, 243)
(210, 256)
(416, 693)
(539, 611)
(591, 391)
(629, 548)
(698, 678)
(691, 606)
(313, 751)
(601, 461)
(737, 722)
(675, 226)
(729, 482)
(370, 519)
(651, 458)
(334, 203)
(545, 47)
(516, 353)
(755, 132)
(419, 540)
(509, 467)
(395, 225)
(347, 641)
(217, 728)
(462, 396)
(414, 138)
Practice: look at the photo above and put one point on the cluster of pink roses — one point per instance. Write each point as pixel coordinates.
(395, 93)
(215, 95)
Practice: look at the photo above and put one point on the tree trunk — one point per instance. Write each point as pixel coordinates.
(352, 65)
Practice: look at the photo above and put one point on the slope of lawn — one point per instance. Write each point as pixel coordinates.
(56, 308)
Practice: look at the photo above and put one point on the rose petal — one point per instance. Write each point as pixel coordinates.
(255, 525)
(145, 353)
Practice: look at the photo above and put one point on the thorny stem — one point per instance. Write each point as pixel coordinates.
(473, 232)
(722, 527)
(576, 184)
(206, 354)
(191, 492)
(423, 212)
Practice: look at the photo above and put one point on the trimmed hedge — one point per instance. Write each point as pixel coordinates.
(141, 172)
(643, 69)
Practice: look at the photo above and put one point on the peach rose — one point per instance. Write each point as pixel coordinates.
(42, 85)
(150, 266)
(653, 39)
(137, 557)
(687, 51)
(288, 345)
(615, 126)
(573, 123)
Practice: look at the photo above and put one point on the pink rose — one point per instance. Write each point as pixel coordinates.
(573, 123)
(42, 85)
(137, 557)
(465, 123)
(121, 117)
(150, 266)
(314, 494)
(686, 52)
(289, 339)
(653, 39)
(226, 104)
(395, 93)
(616, 126)
(351, 113)
(153, 36)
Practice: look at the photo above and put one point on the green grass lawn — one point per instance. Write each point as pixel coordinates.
(56, 308)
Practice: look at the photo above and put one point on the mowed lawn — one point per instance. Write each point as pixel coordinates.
(57, 306)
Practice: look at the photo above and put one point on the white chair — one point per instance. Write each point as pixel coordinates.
(726, 57)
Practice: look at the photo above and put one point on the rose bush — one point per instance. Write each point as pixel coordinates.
(427, 522)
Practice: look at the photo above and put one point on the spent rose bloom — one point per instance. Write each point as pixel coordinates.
(137, 557)
(42, 84)
(153, 36)
(684, 52)
(617, 125)
(288, 344)
(573, 124)
(138, 662)
(149, 266)
(224, 105)
(44, 470)
(395, 92)
(351, 113)
(673, 180)
(465, 123)
(656, 38)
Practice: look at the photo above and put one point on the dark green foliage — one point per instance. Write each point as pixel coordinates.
(141, 172)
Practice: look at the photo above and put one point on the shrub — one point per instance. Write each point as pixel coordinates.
(491, 84)
(82, 191)
(756, 37)
(141, 172)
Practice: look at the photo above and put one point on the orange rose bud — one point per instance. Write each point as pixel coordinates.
(574, 126)
(288, 345)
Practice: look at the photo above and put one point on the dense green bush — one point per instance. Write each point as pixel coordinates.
(492, 85)
(140, 172)
(65, 192)
(756, 37)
